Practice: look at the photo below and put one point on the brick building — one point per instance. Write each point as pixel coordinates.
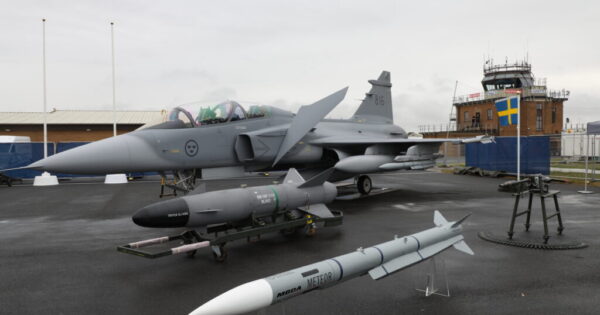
(75, 125)
(475, 113)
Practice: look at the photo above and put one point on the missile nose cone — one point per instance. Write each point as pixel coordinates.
(245, 298)
(169, 213)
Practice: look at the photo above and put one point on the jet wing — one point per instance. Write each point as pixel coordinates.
(350, 141)
(308, 116)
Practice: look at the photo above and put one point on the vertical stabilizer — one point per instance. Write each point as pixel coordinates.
(377, 105)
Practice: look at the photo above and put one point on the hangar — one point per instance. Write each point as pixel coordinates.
(76, 125)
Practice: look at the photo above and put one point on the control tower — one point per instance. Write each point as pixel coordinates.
(541, 108)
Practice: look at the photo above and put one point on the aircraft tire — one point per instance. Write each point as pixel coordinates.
(364, 184)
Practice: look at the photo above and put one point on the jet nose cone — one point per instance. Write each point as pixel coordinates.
(111, 155)
(169, 213)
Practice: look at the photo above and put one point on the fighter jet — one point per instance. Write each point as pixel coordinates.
(227, 140)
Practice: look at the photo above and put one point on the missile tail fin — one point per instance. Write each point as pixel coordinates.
(318, 179)
(318, 210)
(457, 223)
(463, 247)
(438, 218)
(293, 177)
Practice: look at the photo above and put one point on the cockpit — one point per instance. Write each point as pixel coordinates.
(229, 111)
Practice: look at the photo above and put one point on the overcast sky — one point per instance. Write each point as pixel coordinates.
(291, 53)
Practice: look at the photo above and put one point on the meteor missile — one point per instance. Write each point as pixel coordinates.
(378, 261)
(235, 205)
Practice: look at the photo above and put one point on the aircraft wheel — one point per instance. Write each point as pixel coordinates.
(364, 184)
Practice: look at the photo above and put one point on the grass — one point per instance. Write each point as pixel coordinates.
(579, 165)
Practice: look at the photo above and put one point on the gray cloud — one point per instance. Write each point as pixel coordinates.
(294, 53)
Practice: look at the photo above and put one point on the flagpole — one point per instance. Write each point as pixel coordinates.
(45, 179)
(114, 178)
(44, 79)
(114, 98)
(519, 136)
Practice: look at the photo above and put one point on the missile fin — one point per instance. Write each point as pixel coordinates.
(319, 210)
(463, 247)
(293, 177)
(439, 247)
(438, 218)
(457, 223)
(318, 179)
(394, 265)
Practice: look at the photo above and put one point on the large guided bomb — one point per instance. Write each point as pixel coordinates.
(378, 261)
(235, 205)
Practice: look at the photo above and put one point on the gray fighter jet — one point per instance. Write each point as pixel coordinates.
(226, 141)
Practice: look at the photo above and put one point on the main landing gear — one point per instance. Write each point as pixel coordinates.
(364, 184)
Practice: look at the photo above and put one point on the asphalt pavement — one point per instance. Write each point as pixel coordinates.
(58, 253)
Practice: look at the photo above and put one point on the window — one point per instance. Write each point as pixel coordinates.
(238, 114)
(466, 117)
(489, 114)
(539, 123)
(554, 114)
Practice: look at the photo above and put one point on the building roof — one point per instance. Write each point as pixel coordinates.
(83, 117)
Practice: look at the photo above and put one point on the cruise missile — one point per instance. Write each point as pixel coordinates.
(378, 261)
(239, 204)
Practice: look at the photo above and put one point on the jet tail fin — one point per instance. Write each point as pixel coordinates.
(377, 104)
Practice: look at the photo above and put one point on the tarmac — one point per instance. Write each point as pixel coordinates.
(58, 253)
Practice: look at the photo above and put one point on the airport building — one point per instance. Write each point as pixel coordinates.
(75, 125)
(475, 113)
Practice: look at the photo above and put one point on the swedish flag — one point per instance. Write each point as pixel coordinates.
(507, 109)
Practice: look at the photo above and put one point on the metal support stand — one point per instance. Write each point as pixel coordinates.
(435, 277)
(543, 193)
(587, 157)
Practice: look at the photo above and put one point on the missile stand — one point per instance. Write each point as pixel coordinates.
(216, 237)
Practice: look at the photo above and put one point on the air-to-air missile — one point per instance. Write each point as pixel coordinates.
(378, 261)
(239, 204)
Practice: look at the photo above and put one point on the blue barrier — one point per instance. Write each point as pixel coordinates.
(502, 155)
(13, 155)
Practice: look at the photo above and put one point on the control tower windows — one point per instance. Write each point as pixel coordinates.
(501, 84)
(539, 122)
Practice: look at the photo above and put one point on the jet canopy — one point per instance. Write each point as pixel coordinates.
(229, 111)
